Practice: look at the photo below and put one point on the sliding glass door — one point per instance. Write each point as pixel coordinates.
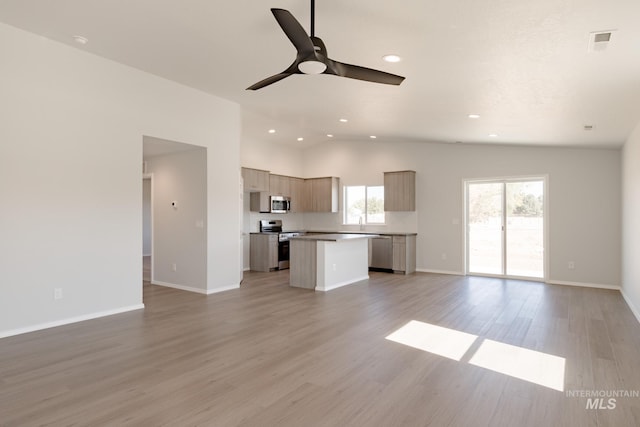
(505, 227)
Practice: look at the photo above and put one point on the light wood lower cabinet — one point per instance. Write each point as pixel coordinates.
(263, 252)
(404, 254)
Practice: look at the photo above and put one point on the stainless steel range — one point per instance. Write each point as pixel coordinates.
(275, 226)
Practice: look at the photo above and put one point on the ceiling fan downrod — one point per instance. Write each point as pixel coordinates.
(313, 18)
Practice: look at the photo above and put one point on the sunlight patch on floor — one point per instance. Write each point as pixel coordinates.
(444, 342)
(533, 366)
(529, 365)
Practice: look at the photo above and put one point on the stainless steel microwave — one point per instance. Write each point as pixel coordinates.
(280, 204)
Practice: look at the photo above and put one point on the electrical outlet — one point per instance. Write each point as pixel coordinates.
(174, 267)
(571, 265)
(57, 293)
(334, 267)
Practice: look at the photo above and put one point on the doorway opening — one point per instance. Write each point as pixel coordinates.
(147, 228)
(506, 227)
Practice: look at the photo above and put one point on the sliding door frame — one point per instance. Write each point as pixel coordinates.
(545, 225)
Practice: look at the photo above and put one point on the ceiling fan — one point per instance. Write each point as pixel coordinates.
(312, 56)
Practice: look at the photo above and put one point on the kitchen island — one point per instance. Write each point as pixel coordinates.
(328, 261)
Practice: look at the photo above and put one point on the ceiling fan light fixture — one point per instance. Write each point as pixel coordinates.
(312, 67)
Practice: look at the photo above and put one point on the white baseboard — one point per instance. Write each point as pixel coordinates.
(41, 326)
(583, 285)
(341, 284)
(633, 308)
(226, 288)
(452, 273)
(196, 290)
(180, 287)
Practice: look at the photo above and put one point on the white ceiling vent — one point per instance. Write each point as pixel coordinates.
(599, 41)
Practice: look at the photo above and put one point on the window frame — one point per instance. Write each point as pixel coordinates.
(365, 217)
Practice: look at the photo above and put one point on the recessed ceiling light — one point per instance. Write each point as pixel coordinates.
(272, 131)
(80, 39)
(493, 135)
(373, 137)
(474, 116)
(392, 58)
(300, 139)
(344, 120)
(329, 135)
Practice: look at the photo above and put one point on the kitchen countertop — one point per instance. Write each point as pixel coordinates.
(364, 232)
(334, 237)
(371, 233)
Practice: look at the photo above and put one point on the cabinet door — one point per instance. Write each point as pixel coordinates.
(255, 180)
(307, 196)
(260, 202)
(263, 252)
(297, 194)
(399, 253)
(273, 251)
(400, 191)
(324, 194)
(279, 185)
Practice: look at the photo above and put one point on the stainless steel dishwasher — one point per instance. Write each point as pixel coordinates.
(381, 252)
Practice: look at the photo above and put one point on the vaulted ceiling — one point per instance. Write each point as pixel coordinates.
(523, 66)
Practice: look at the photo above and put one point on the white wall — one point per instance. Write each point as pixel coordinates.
(631, 221)
(180, 232)
(70, 179)
(583, 200)
(268, 154)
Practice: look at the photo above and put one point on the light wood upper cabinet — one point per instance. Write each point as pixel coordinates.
(279, 185)
(255, 179)
(307, 195)
(400, 191)
(260, 202)
(297, 194)
(323, 194)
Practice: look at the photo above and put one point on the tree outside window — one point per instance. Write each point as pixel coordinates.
(364, 204)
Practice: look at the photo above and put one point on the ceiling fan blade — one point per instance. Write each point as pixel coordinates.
(269, 80)
(363, 73)
(294, 31)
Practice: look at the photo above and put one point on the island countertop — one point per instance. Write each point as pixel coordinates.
(334, 237)
(371, 233)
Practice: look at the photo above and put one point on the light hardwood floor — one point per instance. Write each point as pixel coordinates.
(271, 355)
